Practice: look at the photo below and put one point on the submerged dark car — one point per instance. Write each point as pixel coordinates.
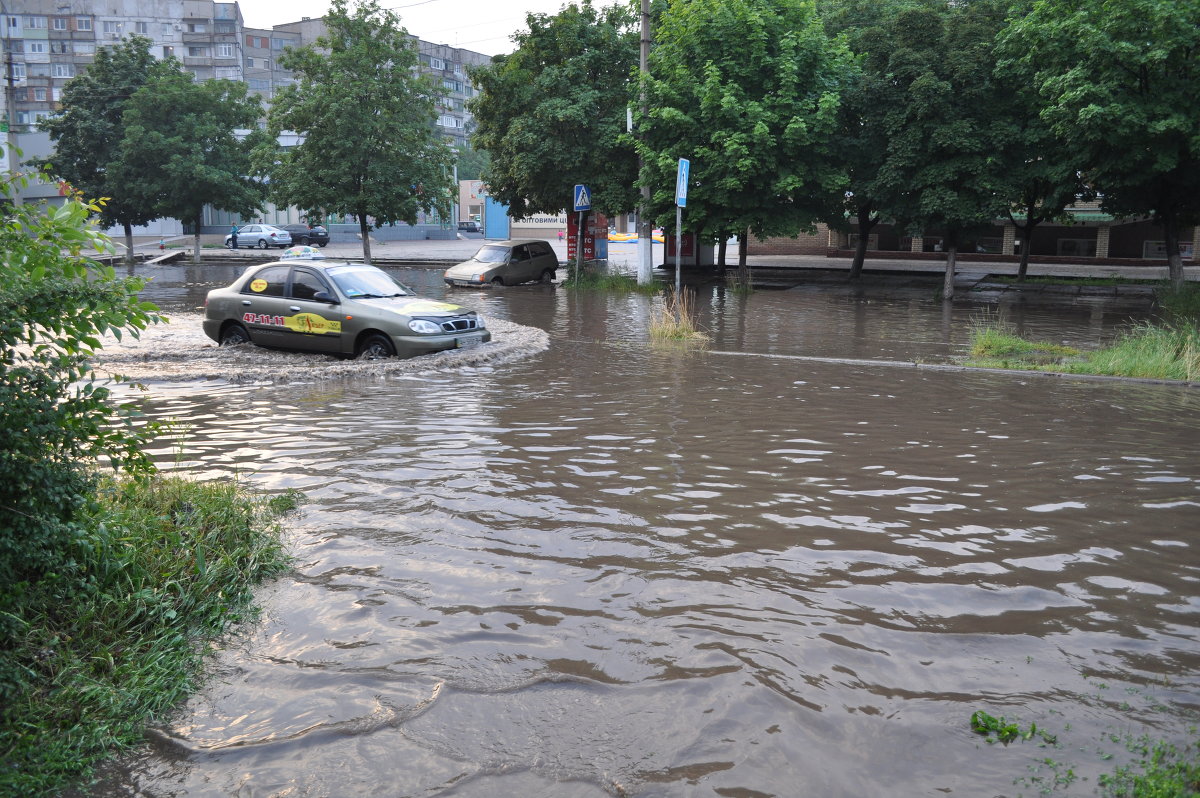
(304, 235)
(506, 263)
(336, 307)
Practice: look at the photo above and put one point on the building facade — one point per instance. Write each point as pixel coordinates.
(47, 42)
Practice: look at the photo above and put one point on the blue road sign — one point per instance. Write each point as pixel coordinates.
(681, 182)
(583, 198)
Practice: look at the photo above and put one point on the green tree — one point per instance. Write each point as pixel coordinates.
(1118, 84)
(88, 130)
(55, 421)
(366, 118)
(861, 141)
(942, 170)
(187, 145)
(553, 113)
(748, 91)
(472, 163)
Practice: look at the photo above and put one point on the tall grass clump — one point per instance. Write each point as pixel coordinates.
(1147, 351)
(674, 319)
(592, 279)
(1180, 305)
(161, 567)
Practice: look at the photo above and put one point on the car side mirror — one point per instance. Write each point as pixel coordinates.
(325, 296)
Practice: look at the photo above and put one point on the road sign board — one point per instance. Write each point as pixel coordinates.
(681, 182)
(583, 198)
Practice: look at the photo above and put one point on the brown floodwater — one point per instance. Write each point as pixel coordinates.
(598, 567)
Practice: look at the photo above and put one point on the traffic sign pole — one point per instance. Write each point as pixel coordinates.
(681, 187)
(582, 197)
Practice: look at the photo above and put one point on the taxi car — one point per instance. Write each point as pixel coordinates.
(506, 263)
(303, 302)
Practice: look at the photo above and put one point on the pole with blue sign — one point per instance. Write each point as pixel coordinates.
(681, 187)
(582, 197)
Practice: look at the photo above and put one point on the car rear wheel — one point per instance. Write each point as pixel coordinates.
(547, 276)
(263, 243)
(302, 241)
(376, 346)
(233, 335)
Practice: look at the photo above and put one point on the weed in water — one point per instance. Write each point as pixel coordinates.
(675, 319)
(594, 279)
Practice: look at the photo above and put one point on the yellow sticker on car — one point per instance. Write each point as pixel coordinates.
(258, 286)
(311, 323)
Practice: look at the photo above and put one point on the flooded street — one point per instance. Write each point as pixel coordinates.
(599, 567)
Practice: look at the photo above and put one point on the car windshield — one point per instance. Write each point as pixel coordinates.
(365, 282)
(492, 254)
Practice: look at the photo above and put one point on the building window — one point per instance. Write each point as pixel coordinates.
(197, 27)
(18, 71)
(227, 73)
(446, 120)
(458, 70)
(112, 27)
(141, 28)
(224, 51)
(56, 93)
(36, 47)
(452, 85)
(58, 23)
(437, 64)
(197, 52)
(83, 23)
(14, 26)
(85, 48)
(223, 27)
(279, 44)
(62, 70)
(39, 94)
(257, 84)
(35, 22)
(168, 51)
(60, 47)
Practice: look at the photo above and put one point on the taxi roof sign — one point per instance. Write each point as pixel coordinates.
(302, 253)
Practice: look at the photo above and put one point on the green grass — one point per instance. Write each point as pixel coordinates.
(1180, 305)
(595, 280)
(167, 567)
(1163, 771)
(675, 320)
(1146, 351)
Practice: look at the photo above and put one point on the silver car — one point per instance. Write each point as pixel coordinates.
(262, 236)
(337, 307)
(506, 263)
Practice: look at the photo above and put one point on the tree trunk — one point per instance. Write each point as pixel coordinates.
(1174, 259)
(128, 243)
(196, 239)
(364, 231)
(721, 247)
(951, 256)
(1026, 237)
(865, 225)
(743, 269)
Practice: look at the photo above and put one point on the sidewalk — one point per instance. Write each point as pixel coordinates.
(623, 257)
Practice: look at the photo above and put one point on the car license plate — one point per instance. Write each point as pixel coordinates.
(468, 343)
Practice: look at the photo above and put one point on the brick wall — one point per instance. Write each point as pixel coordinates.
(803, 244)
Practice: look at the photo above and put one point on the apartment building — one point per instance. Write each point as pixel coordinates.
(47, 42)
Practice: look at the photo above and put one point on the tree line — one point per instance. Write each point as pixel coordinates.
(928, 114)
(159, 144)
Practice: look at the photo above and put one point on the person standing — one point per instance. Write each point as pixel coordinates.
(233, 237)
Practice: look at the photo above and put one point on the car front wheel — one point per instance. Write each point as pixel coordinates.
(233, 335)
(263, 243)
(497, 281)
(376, 346)
(302, 241)
(547, 276)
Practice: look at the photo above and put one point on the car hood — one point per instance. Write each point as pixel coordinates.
(415, 306)
(470, 267)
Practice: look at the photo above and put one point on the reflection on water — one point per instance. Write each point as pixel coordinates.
(615, 569)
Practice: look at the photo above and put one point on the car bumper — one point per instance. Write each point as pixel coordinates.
(212, 328)
(413, 345)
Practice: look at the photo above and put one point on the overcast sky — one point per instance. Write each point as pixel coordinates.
(480, 25)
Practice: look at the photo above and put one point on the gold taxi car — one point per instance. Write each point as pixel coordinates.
(337, 307)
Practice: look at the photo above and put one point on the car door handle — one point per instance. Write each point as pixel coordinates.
(294, 308)
(246, 302)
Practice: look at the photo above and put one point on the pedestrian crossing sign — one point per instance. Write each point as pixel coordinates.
(583, 198)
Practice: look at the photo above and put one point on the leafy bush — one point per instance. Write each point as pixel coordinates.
(56, 422)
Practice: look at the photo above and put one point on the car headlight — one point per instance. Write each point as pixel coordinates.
(424, 327)
(479, 322)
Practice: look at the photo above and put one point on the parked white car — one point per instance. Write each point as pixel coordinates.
(263, 236)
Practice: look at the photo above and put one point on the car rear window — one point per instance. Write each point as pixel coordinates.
(267, 282)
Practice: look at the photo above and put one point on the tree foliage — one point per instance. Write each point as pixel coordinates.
(182, 148)
(369, 145)
(553, 113)
(1119, 83)
(748, 91)
(55, 420)
(89, 128)
(941, 170)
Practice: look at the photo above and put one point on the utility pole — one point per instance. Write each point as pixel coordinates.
(10, 154)
(644, 229)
